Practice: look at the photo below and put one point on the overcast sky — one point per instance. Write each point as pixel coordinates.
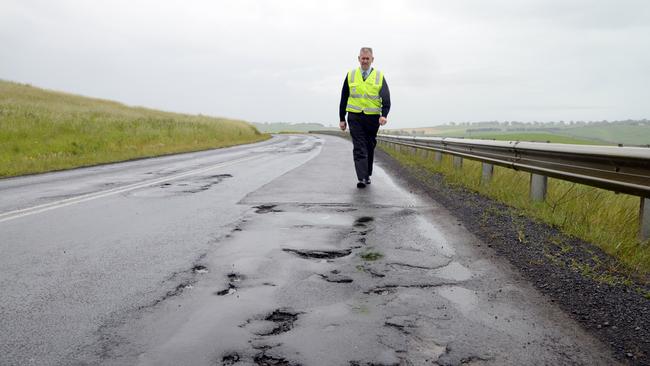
(268, 60)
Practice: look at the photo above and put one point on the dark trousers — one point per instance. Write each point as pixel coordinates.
(363, 129)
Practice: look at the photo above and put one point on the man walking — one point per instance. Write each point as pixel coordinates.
(366, 99)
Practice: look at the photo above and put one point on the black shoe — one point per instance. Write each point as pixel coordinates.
(361, 184)
(367, 181)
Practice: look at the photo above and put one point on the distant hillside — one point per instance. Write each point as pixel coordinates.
(43, 130)
(629, 132)
(277, 127)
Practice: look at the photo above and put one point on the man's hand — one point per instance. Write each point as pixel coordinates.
(382, 120)
(342, 125)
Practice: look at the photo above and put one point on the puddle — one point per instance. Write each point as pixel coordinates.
(283, 319)
(262, 209)
(319, 219)
(465, 300)
(439, 241)
(454, 271)
(318, 254)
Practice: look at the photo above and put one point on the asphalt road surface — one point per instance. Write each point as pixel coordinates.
(265, 254)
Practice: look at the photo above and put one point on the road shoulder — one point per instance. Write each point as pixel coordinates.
(575, 275)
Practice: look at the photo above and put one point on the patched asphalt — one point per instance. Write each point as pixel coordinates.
(278, 261)
(318, 272)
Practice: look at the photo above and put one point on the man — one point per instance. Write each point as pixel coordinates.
(366, 99)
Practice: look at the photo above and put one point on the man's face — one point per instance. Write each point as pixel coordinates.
(365, 59)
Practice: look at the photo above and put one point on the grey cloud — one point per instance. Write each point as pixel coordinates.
(271, 60)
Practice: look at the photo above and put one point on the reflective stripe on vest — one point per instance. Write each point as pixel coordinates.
(364, 94)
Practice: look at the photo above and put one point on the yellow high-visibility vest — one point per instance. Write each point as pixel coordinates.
(364, 94)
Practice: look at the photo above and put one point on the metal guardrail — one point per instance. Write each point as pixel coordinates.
(615, 168)
(620, 169)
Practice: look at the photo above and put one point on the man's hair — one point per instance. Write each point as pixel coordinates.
(365, 49)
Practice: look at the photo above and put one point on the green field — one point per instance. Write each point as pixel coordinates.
(43, 130)
(601, 217)
(629, 132)
(535, 137)
(620, 134)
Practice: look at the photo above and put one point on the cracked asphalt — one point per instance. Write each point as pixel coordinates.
(277, 260)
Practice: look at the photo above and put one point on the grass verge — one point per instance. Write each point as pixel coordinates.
(604, 218)
(42, 130)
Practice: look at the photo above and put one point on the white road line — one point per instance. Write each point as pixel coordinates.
(6, 216)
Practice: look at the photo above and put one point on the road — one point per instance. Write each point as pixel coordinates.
(265, 254)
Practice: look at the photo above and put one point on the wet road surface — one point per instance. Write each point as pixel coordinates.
(260, 255)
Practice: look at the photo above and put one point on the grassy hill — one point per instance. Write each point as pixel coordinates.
(43, 130)
(621, 133)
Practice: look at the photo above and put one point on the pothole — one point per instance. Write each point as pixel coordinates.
(381, 291)
(262, 359)
(370, 271)
(336, 278)
(262, 209)
(232, 288)
(319, 254)
(200, 269)
(235, 277)
(283, 319)
(227, 291)
(362, 221)
(371, 255)
(358, 363)
(183, 286)
(216, 179)
(403, 324)
(230, 359)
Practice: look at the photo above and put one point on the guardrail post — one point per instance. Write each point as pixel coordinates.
(644, 219)
(488, 169)
(458, 162)
(438, 157)
(538, 184)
